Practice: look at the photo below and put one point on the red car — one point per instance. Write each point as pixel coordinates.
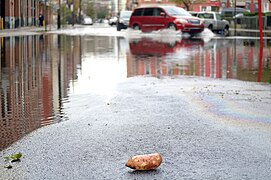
(162, 17)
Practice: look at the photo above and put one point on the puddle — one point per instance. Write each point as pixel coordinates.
(39, 73)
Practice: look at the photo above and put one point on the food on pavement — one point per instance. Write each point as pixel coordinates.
(144, 162)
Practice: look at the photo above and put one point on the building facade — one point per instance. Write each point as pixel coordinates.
(206, 5)
(217, 5)
(21, 13)
(131, 4)
(35, 75)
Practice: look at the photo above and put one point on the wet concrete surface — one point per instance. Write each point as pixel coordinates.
(204, 129)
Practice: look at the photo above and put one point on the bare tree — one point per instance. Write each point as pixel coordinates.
(186, 3)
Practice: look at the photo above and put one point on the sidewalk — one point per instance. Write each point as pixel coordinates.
(250, 30)
(24, 30)
(32, 30)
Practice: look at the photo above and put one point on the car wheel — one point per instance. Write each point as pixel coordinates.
(136, 27)
(171, 44)
(226, 31)
(172, 26)
(210, 27)
(118, 27)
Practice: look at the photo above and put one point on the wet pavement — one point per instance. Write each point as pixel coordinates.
(78, 106)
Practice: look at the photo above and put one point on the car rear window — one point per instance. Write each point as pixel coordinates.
(228, 14)
(206, 16)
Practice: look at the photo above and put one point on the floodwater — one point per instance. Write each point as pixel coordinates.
(39, 73)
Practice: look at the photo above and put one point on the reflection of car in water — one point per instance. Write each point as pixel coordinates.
(87, 21)
(150, 47)
(162, 56)
(113, 21)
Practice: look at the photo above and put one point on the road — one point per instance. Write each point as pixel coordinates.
(204, 129)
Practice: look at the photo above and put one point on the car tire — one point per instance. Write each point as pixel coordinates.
(172, 26)
(136, 27)
(226, 31)
(118, 27)
(210, 27)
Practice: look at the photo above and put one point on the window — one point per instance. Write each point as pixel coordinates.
(206, 16)
(214, 8)
(148, 12)
(157, 11)
(138, 12)
(218, 17)
(209, 16)
(228, 14)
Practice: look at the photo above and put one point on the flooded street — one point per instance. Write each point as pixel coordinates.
(91, 86)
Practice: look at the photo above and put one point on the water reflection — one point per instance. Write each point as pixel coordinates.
(216, 58)
(34, 81)
(40, 73)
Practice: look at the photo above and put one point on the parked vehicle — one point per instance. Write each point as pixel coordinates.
(113, 21)
(165, 17)
(214, 22)
(230, 12)
(123, 20)
(87, 21)
(101, 21)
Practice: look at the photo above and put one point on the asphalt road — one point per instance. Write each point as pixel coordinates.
(204, 129)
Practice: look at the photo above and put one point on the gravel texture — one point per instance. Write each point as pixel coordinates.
(204, 129)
